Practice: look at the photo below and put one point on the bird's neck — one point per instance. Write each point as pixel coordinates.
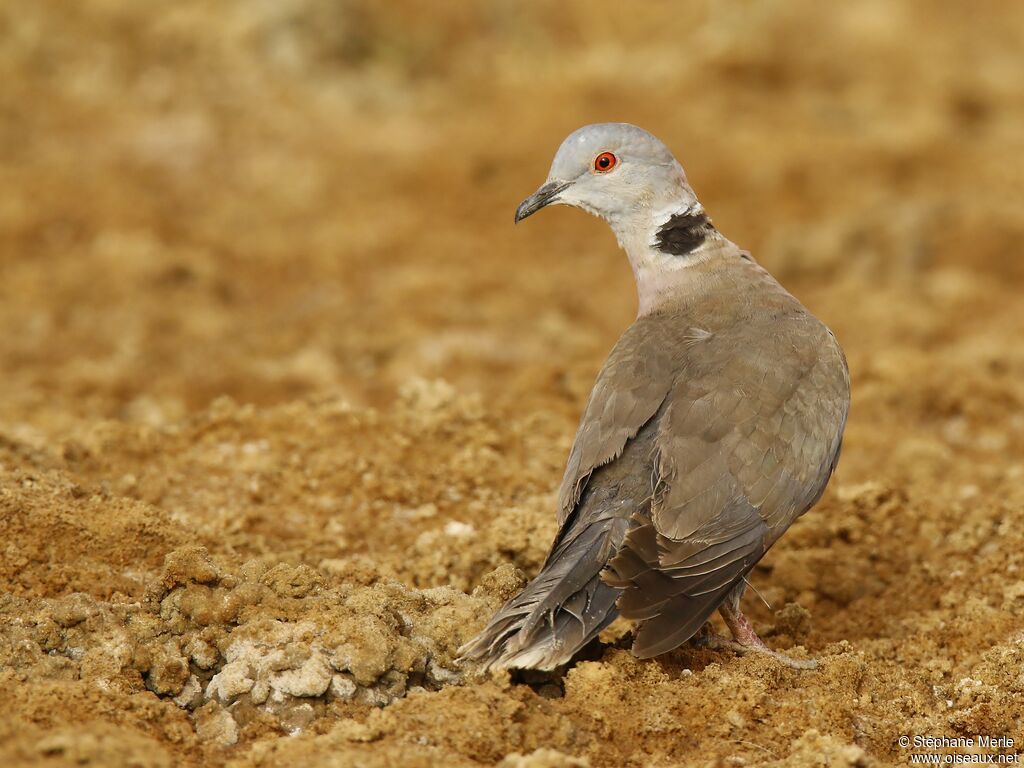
(673, 253)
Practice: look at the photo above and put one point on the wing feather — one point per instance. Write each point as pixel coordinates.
(630, 389)
(748, 439)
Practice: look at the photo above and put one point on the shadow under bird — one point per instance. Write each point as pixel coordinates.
(715, 422)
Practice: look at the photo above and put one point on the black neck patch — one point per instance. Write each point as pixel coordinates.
(683, 233)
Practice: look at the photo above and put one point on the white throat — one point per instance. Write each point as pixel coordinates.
(659, 274)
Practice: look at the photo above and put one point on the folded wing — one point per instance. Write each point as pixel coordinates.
(747, 442)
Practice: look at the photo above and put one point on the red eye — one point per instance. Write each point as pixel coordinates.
(605, 162)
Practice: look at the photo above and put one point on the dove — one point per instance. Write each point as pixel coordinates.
(715, 422)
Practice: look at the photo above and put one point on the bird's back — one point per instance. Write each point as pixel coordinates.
(713, 424)
(747, 438)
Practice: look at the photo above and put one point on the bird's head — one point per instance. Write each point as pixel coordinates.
(616, 171)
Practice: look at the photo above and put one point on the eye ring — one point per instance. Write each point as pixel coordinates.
(605, 162)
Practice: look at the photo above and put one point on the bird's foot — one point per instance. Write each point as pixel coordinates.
(745, 640)
(716, 642)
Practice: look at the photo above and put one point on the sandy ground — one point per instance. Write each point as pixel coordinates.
(285, 397)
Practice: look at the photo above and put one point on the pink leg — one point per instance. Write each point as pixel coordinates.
(745, 639)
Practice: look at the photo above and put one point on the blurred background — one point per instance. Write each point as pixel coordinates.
(270, 199)
(260, 290)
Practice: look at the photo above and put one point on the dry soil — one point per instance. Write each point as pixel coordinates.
(285, 397)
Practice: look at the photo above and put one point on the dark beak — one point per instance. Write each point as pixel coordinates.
(540, 198)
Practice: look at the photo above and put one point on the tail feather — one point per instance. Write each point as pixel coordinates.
(557, 613)
(672, 587)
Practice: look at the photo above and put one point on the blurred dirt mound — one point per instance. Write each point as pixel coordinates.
(285, 398)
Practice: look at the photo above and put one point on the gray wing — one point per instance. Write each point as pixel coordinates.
(749, 437)
(631, 387)
(609, 477)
